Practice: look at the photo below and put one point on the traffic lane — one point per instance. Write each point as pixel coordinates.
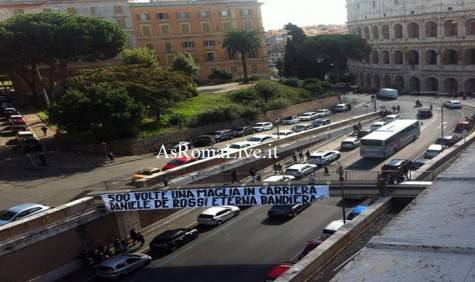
(243, 249)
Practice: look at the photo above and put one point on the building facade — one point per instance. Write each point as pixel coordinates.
(113, 10)
(198, 28)
(416, 45)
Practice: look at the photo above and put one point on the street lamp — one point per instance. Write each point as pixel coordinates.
(442, 121)
(277, 121)
(341, 177)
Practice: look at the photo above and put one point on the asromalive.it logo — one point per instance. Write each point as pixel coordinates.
(226, 153)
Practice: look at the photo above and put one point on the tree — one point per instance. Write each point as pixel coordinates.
(100, 110)
(244, 42)
(280, 65)
(186, 64)
(267, 90)
(50, 41)
(295, 37)
(139, 56)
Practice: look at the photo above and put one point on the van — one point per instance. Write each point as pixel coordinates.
(388, 93)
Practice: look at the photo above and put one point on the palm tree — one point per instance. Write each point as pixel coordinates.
(244, 42)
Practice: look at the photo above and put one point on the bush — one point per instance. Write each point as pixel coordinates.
(277, 103)
(216, 115)
(267, 90)
(221, 75)
(244, 96)
(293, 82)
(316, 86)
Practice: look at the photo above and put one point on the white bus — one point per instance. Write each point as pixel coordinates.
(390, 138)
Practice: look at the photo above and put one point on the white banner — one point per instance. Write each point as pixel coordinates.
(206, 197)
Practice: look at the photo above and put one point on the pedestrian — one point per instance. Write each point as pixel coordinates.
(165, 180)
(111, 157)
(140, 239)
(44, 129)
(108, 251)
(325, 169)
(311, 178)
(308, 155)
(359, 126)
(252, 172)
(349, 107)
(294, 155)
(355, 128)
(117, 246)
(234, 176)
(276, 170)
(279, 168)
(431, 107)
(42, 158)
(398, 108)
(258, 177)
(124, 246)
(133, 235)
(301, 157)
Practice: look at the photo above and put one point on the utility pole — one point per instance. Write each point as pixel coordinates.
(342, 179)
(442, 122)
(277, 120)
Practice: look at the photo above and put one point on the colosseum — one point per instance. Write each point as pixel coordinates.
(417, 45)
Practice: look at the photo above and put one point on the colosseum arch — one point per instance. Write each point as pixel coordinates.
(449, 57)
(450, 85)
(385, 31)
(397, 31)
(398, 58)
(375, 32)
(450, 28)
(469, 56)
(469, 85)
(431, 57)
(399, 83)
(385, 58)
(432, 84)
(413, 30)
(414, 84)
(412, 57)
(366, 32)
(470, 27)
(386, 81)
(375, 57)
(431, 29)
(377, 81)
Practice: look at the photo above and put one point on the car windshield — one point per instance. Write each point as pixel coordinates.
(7, 215)
(177, 162)
(288, 118)
(235, 146)
(328, 231)
(347, 142)
(254, 139)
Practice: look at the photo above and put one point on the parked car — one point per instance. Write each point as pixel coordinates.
(119, 266)
(311, 245)
(390, 118)
(243, 131)
(17, 119)
(395, 170)
(323, 158)
(357, 211)
(279, 178)
(282, 133)
(463, 126)
(341, 108)
(323, 113)
(321, 122)
(453, 104)
(448, 141)
(218, 215)
(171, 240)
(10, 111)
(21, 211)
(424, 113)
(183, 146)
(433, 151)
(277, 271)
(4, 106)
(222, 135)
(146, 173)
(263, 126)
(350, 143)
(332, 228)
(180, 161)
(258, 139)
(235, 147)
(300, 170)
(286, 211)
(301, 127)
(289, 120)
(204, 141)
(308, 116)
(377, 125)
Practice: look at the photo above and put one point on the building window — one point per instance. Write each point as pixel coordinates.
(185, 28)
(209, 43)
(247, 25)
(118, 10)
(246, 13)
(165, 29)
(163, 16)
(227, 26)
(225, 13)
(203, 14)
(188, 44)
(182, 15)
(210, 56)
(168, 47)
(71, 10)
(121, 23)
(146, 30)
(205, 27)
(143, 17)
(93, 11)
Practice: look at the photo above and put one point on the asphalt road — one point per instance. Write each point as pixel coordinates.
(245, 248)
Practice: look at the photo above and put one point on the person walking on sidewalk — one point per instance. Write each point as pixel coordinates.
(124, 246)
(294, 155)
(308, 155)
(111, 157)
(234, 177)
(44, 129)
(301, 159)
(140, 239)
(133, 235)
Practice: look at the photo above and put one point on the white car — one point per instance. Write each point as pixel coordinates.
(263, 126)
(258, 139)
(289, 120)
(300, 170)
(433, 151)
(350, 143)
(235, 147)
(323, 113)
(279, 178)
(282, 133)
(390, 118)
(218, 215)
(331, 228)
(120, 265)
(453, 104)
(377, 125)
(302, 127)
(342, 108)
(308, 116)
(324, 158)
(21, 211)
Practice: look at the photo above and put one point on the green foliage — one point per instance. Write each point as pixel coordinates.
(139, 56)
(291, 81)
(186, 64)
(220, 75)
(280, 65)
(101, 111)
(242, 42)
(267, 90)
(317, 87)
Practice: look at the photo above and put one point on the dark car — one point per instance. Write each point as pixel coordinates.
(321, 122)
(243, 131)
(222, 135)
(171, 240)
(448, 141)
(204, 141)
(424, 113)
(283, 211)
(395, 170)
(362, 133)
